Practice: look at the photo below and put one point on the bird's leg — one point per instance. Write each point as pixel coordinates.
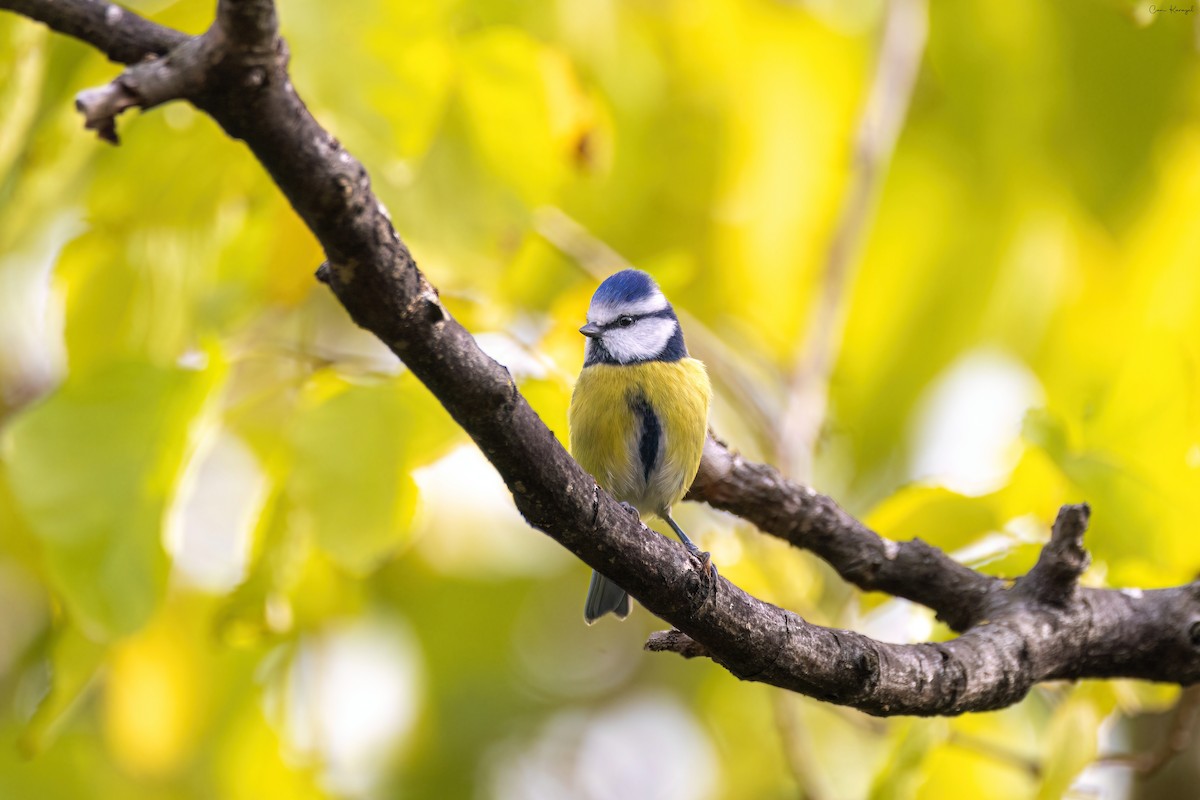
(705, 558)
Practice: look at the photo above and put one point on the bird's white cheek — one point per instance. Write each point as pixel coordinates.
(642, 341)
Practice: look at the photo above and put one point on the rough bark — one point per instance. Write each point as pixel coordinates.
(1041, 627)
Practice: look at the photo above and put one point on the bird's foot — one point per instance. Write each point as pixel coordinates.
(705, 559)
(631, 509)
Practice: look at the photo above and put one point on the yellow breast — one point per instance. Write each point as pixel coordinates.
(605, 428)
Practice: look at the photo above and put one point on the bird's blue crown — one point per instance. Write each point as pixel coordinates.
(626, 286)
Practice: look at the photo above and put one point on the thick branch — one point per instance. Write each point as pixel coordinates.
(248, 24)
(1011, 640)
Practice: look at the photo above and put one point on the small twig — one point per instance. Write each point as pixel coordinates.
(904, 34)
(996, 752)
(595, 256)
(1063, 560)
(1179, 736)
(674, 641)
(798, 750)
(993, 750)
(101, 106)
(245, 33)
(178, 75)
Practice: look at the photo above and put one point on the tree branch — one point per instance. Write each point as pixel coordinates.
(1179, 736)
(1055, 577)
(180, 73)
(809, 520)
(1012, 637)
(905, 28)
(117, 32)
(248, 24)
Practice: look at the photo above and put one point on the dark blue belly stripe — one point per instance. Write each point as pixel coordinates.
(651, 433)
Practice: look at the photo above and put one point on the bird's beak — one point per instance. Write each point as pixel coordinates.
(592, 330)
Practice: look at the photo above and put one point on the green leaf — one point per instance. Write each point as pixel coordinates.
(524, 109)
(91, 469)
(1071, 739)
(1049, 432)
(355, 448)
(74, 662)
(937, 515)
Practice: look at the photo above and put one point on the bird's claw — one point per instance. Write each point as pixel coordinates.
(705, 559)
(631, 509)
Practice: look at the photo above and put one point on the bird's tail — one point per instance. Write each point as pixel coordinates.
(604, 596)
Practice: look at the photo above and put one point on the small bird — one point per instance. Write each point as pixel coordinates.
(639, 413)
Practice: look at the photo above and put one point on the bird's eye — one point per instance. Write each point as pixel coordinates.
(625, 321)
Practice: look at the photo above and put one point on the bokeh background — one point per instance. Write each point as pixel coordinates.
(243, 554)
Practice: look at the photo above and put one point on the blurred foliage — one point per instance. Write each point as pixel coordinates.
(244, 554)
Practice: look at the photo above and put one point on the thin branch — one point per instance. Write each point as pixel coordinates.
(811, 521)
(1179, 736)
(177, 75)
(120, 34)
(984, 747)
(997, 752)
(1010, 641)
(798, 749)
(904, 32)
(674, 641)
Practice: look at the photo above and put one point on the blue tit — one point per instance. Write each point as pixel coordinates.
(639, 413)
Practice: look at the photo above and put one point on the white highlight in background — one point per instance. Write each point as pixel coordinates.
(353, 696)
(211, 522)
(644, 748)
(33, 358)
(967, 432)
(898, 621)
(473, 529)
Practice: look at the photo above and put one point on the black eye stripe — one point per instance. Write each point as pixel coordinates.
(666, 313)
